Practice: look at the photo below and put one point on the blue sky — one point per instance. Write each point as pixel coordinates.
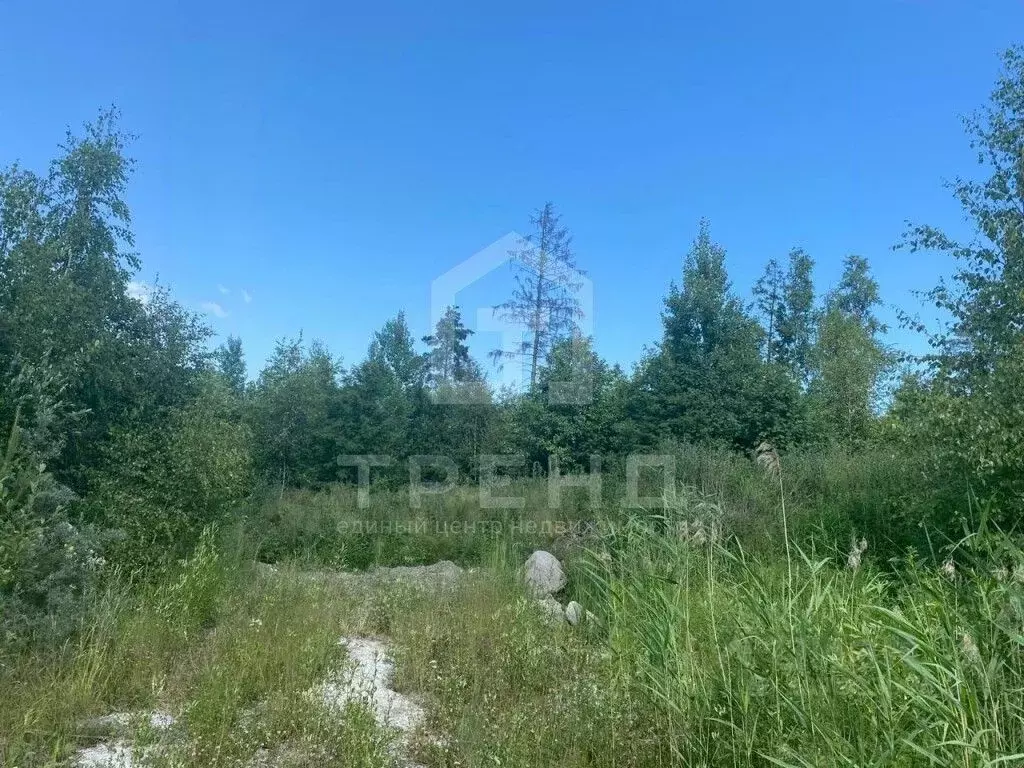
(332, 159)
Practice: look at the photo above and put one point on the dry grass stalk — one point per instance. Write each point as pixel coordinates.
(768, 458)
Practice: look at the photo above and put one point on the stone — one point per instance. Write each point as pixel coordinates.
(551, 609)
(367, 678)
(117, 755)
(120, 753)
(543, 574)
(574, 613)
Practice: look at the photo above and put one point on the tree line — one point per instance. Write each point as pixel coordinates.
(792, 370)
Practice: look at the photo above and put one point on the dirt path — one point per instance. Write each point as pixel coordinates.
(366, 676)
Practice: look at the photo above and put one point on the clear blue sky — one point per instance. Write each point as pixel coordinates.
(332, 159)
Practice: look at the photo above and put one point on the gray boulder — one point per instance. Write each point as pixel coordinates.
(551, 609)
(543, 574)
(574, 613)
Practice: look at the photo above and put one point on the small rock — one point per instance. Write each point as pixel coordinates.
(543, 574)
(118, 755)
(551, 609)
(573, 613)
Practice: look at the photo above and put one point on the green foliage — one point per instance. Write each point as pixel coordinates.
(459, 417)
(379, 404)
(965, 414)
(575, 412)
(512, 690)
(769, 300)
(830, 667)
(229, 653)
(128, 436)
(330, 528)
(699, 384)
(47, 563)
(90, 219)
(65, 261)
(195, 591)
(849, 364)
(162, 483)
(393, 348)
(984, 299)
(785, 304)
(292, 411)
(230, 362)
(448, 361)
(796, 323)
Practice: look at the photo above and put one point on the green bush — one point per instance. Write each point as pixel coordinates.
(162, 483)
(47, 563)
(880, 493)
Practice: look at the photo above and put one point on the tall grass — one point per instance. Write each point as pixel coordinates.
(704, 653)
(829, 497)
(508, 688)
(847, 667)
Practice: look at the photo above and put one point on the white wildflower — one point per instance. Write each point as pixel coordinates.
(857, 550)
(970, 649)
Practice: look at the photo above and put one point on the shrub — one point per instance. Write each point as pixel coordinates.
(46, 563)
(162, 483)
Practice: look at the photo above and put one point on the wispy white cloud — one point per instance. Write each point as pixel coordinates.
(140, 291)
(246, 296)
(213, 308)
(223, 291)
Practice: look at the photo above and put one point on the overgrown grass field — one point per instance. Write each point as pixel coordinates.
(228, 653)
(706, 647)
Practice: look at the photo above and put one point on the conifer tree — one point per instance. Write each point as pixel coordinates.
(701, 383)
(769, 295)
(448, 359)
(544, 300)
